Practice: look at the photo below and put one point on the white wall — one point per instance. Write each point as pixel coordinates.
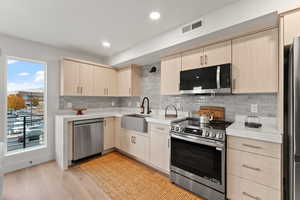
(224, 18)
(40, 52)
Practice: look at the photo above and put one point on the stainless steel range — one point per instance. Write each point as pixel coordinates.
(198, 157)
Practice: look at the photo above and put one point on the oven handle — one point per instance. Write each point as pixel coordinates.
(196, 140)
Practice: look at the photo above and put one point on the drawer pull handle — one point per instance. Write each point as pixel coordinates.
(252, 168)
(251, 196)
(251, 146)
(162, 129)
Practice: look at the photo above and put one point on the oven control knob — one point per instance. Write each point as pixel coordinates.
(212, 135)
(172, 128)
(220, 136)
(177, 129)
(206, 133)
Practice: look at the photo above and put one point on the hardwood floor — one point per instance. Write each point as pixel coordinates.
(112, 176)
(48, 182)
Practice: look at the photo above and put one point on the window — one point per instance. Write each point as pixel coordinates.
(25, 104)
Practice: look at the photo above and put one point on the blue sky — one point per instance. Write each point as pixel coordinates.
(24, 75)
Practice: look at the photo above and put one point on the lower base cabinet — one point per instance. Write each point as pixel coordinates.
(118, 132)
(243, 189)
(109, 133)
(135, 144)
(160, 147)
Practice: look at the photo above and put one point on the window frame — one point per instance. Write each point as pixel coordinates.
(44, 146)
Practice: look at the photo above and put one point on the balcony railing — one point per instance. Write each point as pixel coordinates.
(24, 131)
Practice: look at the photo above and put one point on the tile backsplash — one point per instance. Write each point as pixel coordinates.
(150, 87)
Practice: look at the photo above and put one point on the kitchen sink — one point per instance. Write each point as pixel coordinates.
(135, 122)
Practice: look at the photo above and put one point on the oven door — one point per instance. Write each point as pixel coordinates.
(200, 160)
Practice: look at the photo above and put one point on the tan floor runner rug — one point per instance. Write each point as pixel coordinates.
(125, 179)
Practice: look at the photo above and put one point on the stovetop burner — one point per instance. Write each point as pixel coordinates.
(191, 126)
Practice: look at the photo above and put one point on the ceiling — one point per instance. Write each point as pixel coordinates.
(82, 25)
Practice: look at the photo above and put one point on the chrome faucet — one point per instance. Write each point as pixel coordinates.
(148, 106)
(171, 115)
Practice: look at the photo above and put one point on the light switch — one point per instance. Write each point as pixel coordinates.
(113, 103)
(69, 105)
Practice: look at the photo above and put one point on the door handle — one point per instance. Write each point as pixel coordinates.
(252, 146)
(205, 59)
(168, 143)
(252, 168)
(201, 60)
(251, 196)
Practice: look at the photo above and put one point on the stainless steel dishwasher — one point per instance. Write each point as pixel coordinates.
(87, 138)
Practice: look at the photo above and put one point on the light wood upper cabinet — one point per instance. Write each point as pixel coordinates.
(255, 63)
(128, 81)
(109, 133)
(192, 59)
(291, 27)
(105, 81)
(170, 75)
(70, 78)
(86, 79)
(217, 54)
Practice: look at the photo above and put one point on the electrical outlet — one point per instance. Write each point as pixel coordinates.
(113, 103)
(69, 105)
(129, 103)
(254, 108)
(138, 104)
(178, 105)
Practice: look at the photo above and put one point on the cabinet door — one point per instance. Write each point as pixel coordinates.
(255, 63)
(192, 59)
(170, 75)
(86, 79)
(291, 27)
(160, 150)
(70, 78)
(140, 147)
(118, 133)
(99, 78)
(109, 133)
(111, 82)
(217, 54)
(124, 81)
(126, 140)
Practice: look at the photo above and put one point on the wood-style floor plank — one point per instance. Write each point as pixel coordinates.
(48, 182)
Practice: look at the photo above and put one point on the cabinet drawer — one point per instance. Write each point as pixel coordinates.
(259, 169)
(241, 189)
(159, 128)
(255, 146)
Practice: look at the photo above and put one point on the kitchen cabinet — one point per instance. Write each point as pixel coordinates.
(82, 79)
(160, 146)
(105, 81)
(255, 63)
(109, 133)
(253, 169)
(85, 81)
(118, 132)
(135, 144)
(70, 78)
(215, 54)
(192, 59)
(291, 26)
(128, 81)
(170, 75)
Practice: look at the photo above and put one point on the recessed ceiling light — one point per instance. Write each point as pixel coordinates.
(106, 44)
(154, 15)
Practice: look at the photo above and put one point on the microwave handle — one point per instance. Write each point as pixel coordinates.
(218, 74)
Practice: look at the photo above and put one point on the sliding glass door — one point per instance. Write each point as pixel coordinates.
(25, 104)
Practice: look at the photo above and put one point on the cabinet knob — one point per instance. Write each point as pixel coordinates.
(205, 59)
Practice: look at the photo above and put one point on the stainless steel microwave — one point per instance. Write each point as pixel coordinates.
(214, 79)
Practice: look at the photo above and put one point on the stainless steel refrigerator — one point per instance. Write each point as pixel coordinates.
(292, 121)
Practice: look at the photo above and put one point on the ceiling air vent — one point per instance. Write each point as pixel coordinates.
(191, 27)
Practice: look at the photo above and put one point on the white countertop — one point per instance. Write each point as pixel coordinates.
(268, 132)
(157, 117)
